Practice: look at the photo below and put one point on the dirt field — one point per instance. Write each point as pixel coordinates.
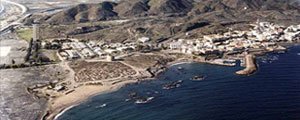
(93, 71)
(143, 61)
(17, 49)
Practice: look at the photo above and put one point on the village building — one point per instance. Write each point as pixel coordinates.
(144, 39)
(110, 58)
(72, 54)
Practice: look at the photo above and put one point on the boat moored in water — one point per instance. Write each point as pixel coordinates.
(102, 106)
(172, 85)
(198, 77)
(179, 68)
(144, 100)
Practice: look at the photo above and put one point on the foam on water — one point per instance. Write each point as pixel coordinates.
(62, 112)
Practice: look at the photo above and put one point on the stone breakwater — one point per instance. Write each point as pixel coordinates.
(250, 65)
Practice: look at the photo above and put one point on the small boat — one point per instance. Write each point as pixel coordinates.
(172, 85)
(144, 100)
(298, 54)
(179, 68)
(102, 106)
(197, 78)
(168, 87)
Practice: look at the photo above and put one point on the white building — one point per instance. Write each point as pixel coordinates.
(88, 53)
(72, 54)
(214, 38)
(144, 39)
(175, 45)
(110, 51)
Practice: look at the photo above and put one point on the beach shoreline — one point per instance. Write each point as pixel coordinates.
(81, 94)
(58, 106)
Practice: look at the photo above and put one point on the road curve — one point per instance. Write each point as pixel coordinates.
(16, 22)
(1, 7)
(23, 8)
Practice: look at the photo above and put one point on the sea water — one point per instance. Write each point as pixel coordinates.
(272, 93)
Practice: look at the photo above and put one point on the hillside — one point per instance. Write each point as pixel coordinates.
(167, 19)
(140, 8)
(85, 13)
(132, 8)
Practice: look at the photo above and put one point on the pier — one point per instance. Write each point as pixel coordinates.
(250, 65)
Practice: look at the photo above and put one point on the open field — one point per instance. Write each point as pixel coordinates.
(12, 49)
(25, 34)
(93, 71)
(142, 61)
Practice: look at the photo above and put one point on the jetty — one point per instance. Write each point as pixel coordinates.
(250, 65)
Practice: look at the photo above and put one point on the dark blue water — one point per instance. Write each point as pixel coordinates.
(273, 93)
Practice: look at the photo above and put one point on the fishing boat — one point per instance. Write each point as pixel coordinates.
(101, 106)
(144, 100)
(172, 85)
(198, 78)
(179, 68)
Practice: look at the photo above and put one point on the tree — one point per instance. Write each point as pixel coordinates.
(13, 61)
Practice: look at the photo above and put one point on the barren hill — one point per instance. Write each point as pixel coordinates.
(85, 13)
(166, 19)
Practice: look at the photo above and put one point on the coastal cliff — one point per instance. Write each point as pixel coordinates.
(250, 65)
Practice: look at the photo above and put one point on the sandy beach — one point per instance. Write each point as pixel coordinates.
(80, 95)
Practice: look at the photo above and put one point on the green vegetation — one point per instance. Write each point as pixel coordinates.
(25, 34)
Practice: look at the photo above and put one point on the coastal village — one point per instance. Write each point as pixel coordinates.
(56, 54)
(221, 49)
(90, 64)
(264, 36)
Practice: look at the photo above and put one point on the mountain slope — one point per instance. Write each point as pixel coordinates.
(132, 8)
(85, 13)
(170, 6)
(167, 19)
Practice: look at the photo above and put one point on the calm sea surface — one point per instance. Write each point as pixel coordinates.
(273, 93)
